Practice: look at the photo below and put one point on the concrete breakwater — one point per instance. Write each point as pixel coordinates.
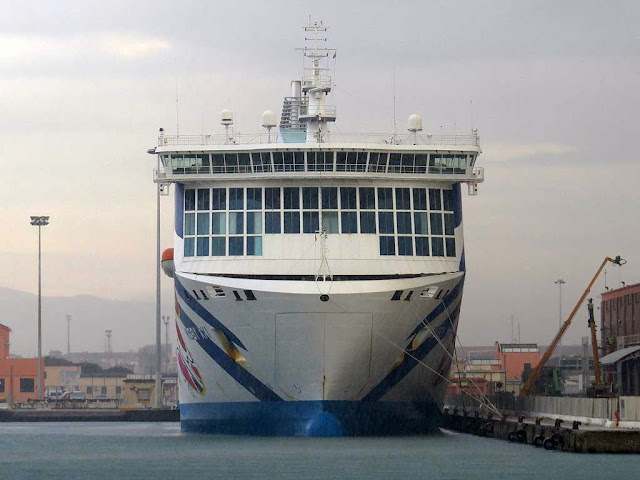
(89, 415)
(548, 434)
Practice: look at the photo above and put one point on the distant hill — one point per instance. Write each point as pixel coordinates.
(132, 322)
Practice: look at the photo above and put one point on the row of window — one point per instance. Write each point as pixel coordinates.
(289, 198)
(318, 161)
(410, 221)
(27, 385)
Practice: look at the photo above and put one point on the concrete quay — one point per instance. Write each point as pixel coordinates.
(90, 415)
(545, 433)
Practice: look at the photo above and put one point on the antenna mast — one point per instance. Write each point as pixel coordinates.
(316, 82)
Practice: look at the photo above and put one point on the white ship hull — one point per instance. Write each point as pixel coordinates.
(288, 363)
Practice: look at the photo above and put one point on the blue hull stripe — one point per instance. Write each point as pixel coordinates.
(398, 373)
(204, 313)
(228, 364)
(311, 418)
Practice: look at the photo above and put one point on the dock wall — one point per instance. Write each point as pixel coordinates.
(587, 410)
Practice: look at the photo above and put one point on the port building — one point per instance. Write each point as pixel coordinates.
(18, 376)
(620, 337)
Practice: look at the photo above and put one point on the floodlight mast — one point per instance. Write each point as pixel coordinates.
(40, 221)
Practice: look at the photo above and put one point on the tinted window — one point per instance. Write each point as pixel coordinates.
(236, 246)
(367, 222)
(434, 199)
(350, 222)
(387, 246)
(385, 222)
(291, 198)
(190, 199)
(367, 199)
(219, 199)
(310, 222)
(348, 198)
(403, 200)
(291, 222)
(272, 198)
(329, 198)
(254, 198)
(405, 246)
(309, 197)
(385, 199)
(272, 222)
(236, 199)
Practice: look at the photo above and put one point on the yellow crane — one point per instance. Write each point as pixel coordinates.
(526, 389)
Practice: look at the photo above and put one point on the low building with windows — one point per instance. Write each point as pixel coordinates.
(18, 376)
(620, 337)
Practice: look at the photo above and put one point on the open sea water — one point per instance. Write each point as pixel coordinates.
(161, 451)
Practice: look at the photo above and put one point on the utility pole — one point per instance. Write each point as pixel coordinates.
(40, 221)
(68, 334)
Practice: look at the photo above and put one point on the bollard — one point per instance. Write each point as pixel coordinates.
(538, 420)
(521, 419)
(558, 423)
(576, 423)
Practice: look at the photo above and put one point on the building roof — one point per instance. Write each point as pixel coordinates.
(619, 355)
(620, 292)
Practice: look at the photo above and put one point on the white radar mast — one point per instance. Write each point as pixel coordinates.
(317, 83)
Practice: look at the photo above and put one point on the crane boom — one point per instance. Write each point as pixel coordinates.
(543, 361)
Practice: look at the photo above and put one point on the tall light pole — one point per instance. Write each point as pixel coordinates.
(39, 221)
(68, 335)
(559, 282)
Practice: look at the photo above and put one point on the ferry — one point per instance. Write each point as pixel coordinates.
(318, 275)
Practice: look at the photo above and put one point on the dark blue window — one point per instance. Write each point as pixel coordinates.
(419, 199)
(272, 222)
(291, 198)
(385, 198)
(448, 224)
(219, 199)
(350, 222)
(202, 247)
(367, 222)
(437, 247)
(309, 198)
(447, 197)
(236, 246)
(420, 223)
(385, 222)
(348, 198)
(254, 245)
(188, 247)
(436, 223)
(387, 246)
(254, 198)
(330, 198)
(405, 246)
(218, 246)
(291, 222)
(403, 199)
(272, 198)
(367, 198)
(236, 199)
(434, 199)
(422, 246)
(310, 222)
(451, 246)
(203, 199)
(190, 199)
(404, 222)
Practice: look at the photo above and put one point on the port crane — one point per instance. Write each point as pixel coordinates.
(526, 389)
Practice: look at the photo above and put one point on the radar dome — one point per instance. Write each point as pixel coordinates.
(415, 123)
(269, 119)
(226, 117)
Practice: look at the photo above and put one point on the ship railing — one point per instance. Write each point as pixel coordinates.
(474, 173)
(316, 81)
(382, 139)
(628, 340)
(317, 110)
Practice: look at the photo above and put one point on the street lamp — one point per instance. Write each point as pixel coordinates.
(560, 282)
(39, 221)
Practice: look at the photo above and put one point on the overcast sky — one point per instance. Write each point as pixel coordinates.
(551, 86)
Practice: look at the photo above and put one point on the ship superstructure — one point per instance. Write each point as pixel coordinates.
(318, 276)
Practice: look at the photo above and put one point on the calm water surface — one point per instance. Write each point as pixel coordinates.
(161, 451)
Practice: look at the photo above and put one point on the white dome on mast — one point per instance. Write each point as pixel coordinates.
(414, 123)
